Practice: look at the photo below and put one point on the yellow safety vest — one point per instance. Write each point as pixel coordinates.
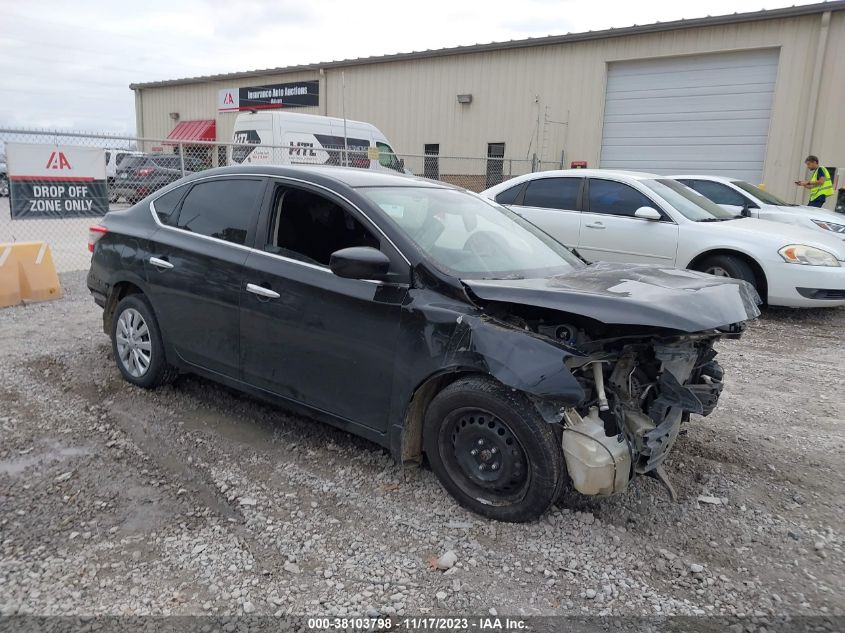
(821, 190)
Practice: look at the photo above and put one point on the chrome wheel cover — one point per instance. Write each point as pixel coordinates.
(134, 347)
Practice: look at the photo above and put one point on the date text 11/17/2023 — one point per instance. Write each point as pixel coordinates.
(386, 623)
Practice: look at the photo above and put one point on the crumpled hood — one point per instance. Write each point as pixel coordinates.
(632, 294)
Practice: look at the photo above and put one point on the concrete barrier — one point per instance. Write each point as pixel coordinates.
(27, 273)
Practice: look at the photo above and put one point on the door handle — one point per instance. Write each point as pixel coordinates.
(261, 291)
(597, 225)
(161, 263)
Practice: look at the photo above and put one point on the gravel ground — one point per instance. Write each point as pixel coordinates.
(195, 499)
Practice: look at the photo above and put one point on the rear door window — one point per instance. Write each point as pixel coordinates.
(615, 198)
(553, 193)
(225, 209)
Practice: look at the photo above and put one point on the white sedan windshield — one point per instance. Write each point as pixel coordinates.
(687, 201)
(470, 237)
(763, 196)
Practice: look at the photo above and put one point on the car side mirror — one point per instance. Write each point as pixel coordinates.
(402, 163)
(647, 213)
(359, 262)
(746, 211)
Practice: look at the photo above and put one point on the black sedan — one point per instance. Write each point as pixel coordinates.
(421, 316)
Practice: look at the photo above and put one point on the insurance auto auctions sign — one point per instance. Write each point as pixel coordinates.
(56, 181)
(297, 94)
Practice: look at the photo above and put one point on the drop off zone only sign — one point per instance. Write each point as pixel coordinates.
(56, 181)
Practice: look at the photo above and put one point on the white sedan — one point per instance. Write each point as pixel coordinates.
(636, 217)
(743, 197)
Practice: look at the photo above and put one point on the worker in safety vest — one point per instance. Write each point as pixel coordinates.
(819, 184)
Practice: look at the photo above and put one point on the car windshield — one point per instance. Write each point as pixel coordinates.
(469, 237)
(762, 195)
(691, 204)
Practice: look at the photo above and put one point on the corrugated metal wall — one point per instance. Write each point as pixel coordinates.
(549, 99)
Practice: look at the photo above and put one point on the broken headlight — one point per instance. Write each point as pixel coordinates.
(807, 255)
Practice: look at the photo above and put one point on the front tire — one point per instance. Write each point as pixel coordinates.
(492, 451)
(136, 344)
(728, 266)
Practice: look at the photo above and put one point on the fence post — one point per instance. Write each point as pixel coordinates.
(182, 158)
(561, 158)
(533, 162)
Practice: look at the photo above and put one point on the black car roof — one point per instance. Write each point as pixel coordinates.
(349, 176)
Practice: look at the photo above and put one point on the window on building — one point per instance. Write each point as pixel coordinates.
(495, 164)
(431, 162)
(553, 193)
(615, 198)
(222, 208)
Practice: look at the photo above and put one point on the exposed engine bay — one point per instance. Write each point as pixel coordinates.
(640, 385)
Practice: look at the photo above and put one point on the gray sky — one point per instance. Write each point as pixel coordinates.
(69, 64)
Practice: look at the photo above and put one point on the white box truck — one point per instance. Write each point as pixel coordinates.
(289, 138)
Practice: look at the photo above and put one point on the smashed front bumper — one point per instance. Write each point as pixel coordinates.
(639, 396)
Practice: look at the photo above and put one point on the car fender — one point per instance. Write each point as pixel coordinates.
(695, 248)
(514, 357)
(114, 281)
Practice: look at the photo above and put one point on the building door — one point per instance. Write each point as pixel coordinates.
(495, 163)
(431, 162)
(705, 114)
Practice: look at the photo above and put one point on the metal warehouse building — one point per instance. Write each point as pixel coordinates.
(748, 95)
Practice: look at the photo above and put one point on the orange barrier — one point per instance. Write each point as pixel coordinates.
(27, 273)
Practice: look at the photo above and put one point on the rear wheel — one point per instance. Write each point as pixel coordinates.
(492, 451)
(136, 344)
(728, 266)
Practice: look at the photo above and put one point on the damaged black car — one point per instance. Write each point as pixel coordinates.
(422, 317)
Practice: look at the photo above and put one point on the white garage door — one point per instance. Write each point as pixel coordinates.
(705, 114)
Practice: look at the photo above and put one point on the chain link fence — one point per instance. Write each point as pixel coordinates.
(51, 203)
